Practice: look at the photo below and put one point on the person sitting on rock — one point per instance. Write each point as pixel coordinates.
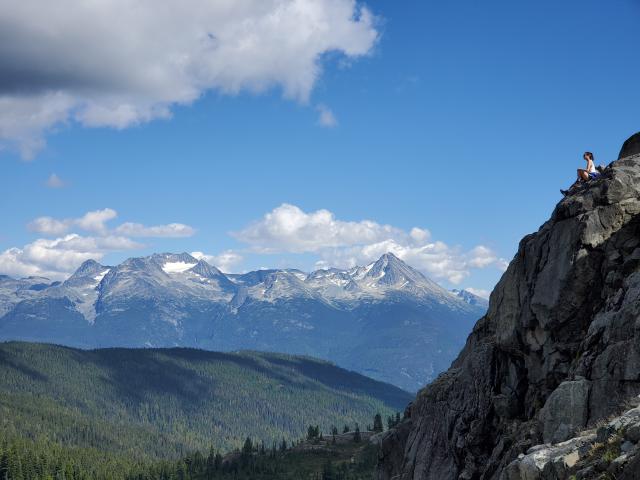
(584, 175)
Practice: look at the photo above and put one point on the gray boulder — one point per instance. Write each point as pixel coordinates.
(566, 411)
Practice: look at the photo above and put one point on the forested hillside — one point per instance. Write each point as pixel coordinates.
(163, 404)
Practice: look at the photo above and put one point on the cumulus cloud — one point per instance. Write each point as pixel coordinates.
(340, 243)
(125, 62)
(326, 118)
(57, 257)
(288, 229)
(96, 222)
(49, 226)
(54, 181)
(171, 230)
(93, 221)
(479, 292)
(481, 257)
(224, 261)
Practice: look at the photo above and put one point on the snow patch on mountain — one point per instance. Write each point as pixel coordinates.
(177, 267)
(98, 278)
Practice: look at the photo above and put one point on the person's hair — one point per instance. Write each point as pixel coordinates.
(588, 154)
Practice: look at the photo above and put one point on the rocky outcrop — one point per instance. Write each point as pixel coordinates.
(631, 146)
(558, 350)
(609, 452)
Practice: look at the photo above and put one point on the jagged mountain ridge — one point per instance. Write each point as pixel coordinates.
(557, 352)
(163, 300)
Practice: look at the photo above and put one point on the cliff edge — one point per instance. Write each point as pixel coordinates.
(557, 353)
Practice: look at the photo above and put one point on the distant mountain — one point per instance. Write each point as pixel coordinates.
(472, 298)
(150, 403)
(385, 319)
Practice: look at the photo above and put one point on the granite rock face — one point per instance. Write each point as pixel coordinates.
(611, 451)
(631, 146)
(557, 351)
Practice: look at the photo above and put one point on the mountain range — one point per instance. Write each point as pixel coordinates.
(385, 320)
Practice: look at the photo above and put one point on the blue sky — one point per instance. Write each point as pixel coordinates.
(461, 118)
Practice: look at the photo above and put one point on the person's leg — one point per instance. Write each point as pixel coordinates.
(582, 176)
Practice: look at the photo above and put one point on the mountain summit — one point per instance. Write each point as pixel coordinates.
(557, 353)
(362, 318)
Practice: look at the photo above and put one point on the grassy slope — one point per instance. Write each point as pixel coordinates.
(151, 403)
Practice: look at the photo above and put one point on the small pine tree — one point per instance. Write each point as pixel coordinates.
(247, 448)
(377, 423)
(356, 436)
(334, 430)
(345, 429)
(283, 445)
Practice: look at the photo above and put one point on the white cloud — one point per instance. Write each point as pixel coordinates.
(93, 221)
(57, 258)
(224, 261)
(54, 181)
(479, 292)
(503, 263)
(49, 226)
(125, 62)
(96, 222)
(171, 230)
(288, 229)
(347, 243)
(481, 257)
(326, 118)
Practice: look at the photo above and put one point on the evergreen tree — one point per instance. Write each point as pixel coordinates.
(218, 461)
(356, 436)
(247, 448)
(377, 423)
(345, 429)
(211, 463)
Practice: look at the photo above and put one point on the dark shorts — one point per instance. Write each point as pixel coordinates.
(594, 175)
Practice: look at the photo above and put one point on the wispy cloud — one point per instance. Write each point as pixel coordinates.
(54, 181)
(57, 257)
(326, 118)
(171, 230)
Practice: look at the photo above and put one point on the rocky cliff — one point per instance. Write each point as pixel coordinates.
(557, 352)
